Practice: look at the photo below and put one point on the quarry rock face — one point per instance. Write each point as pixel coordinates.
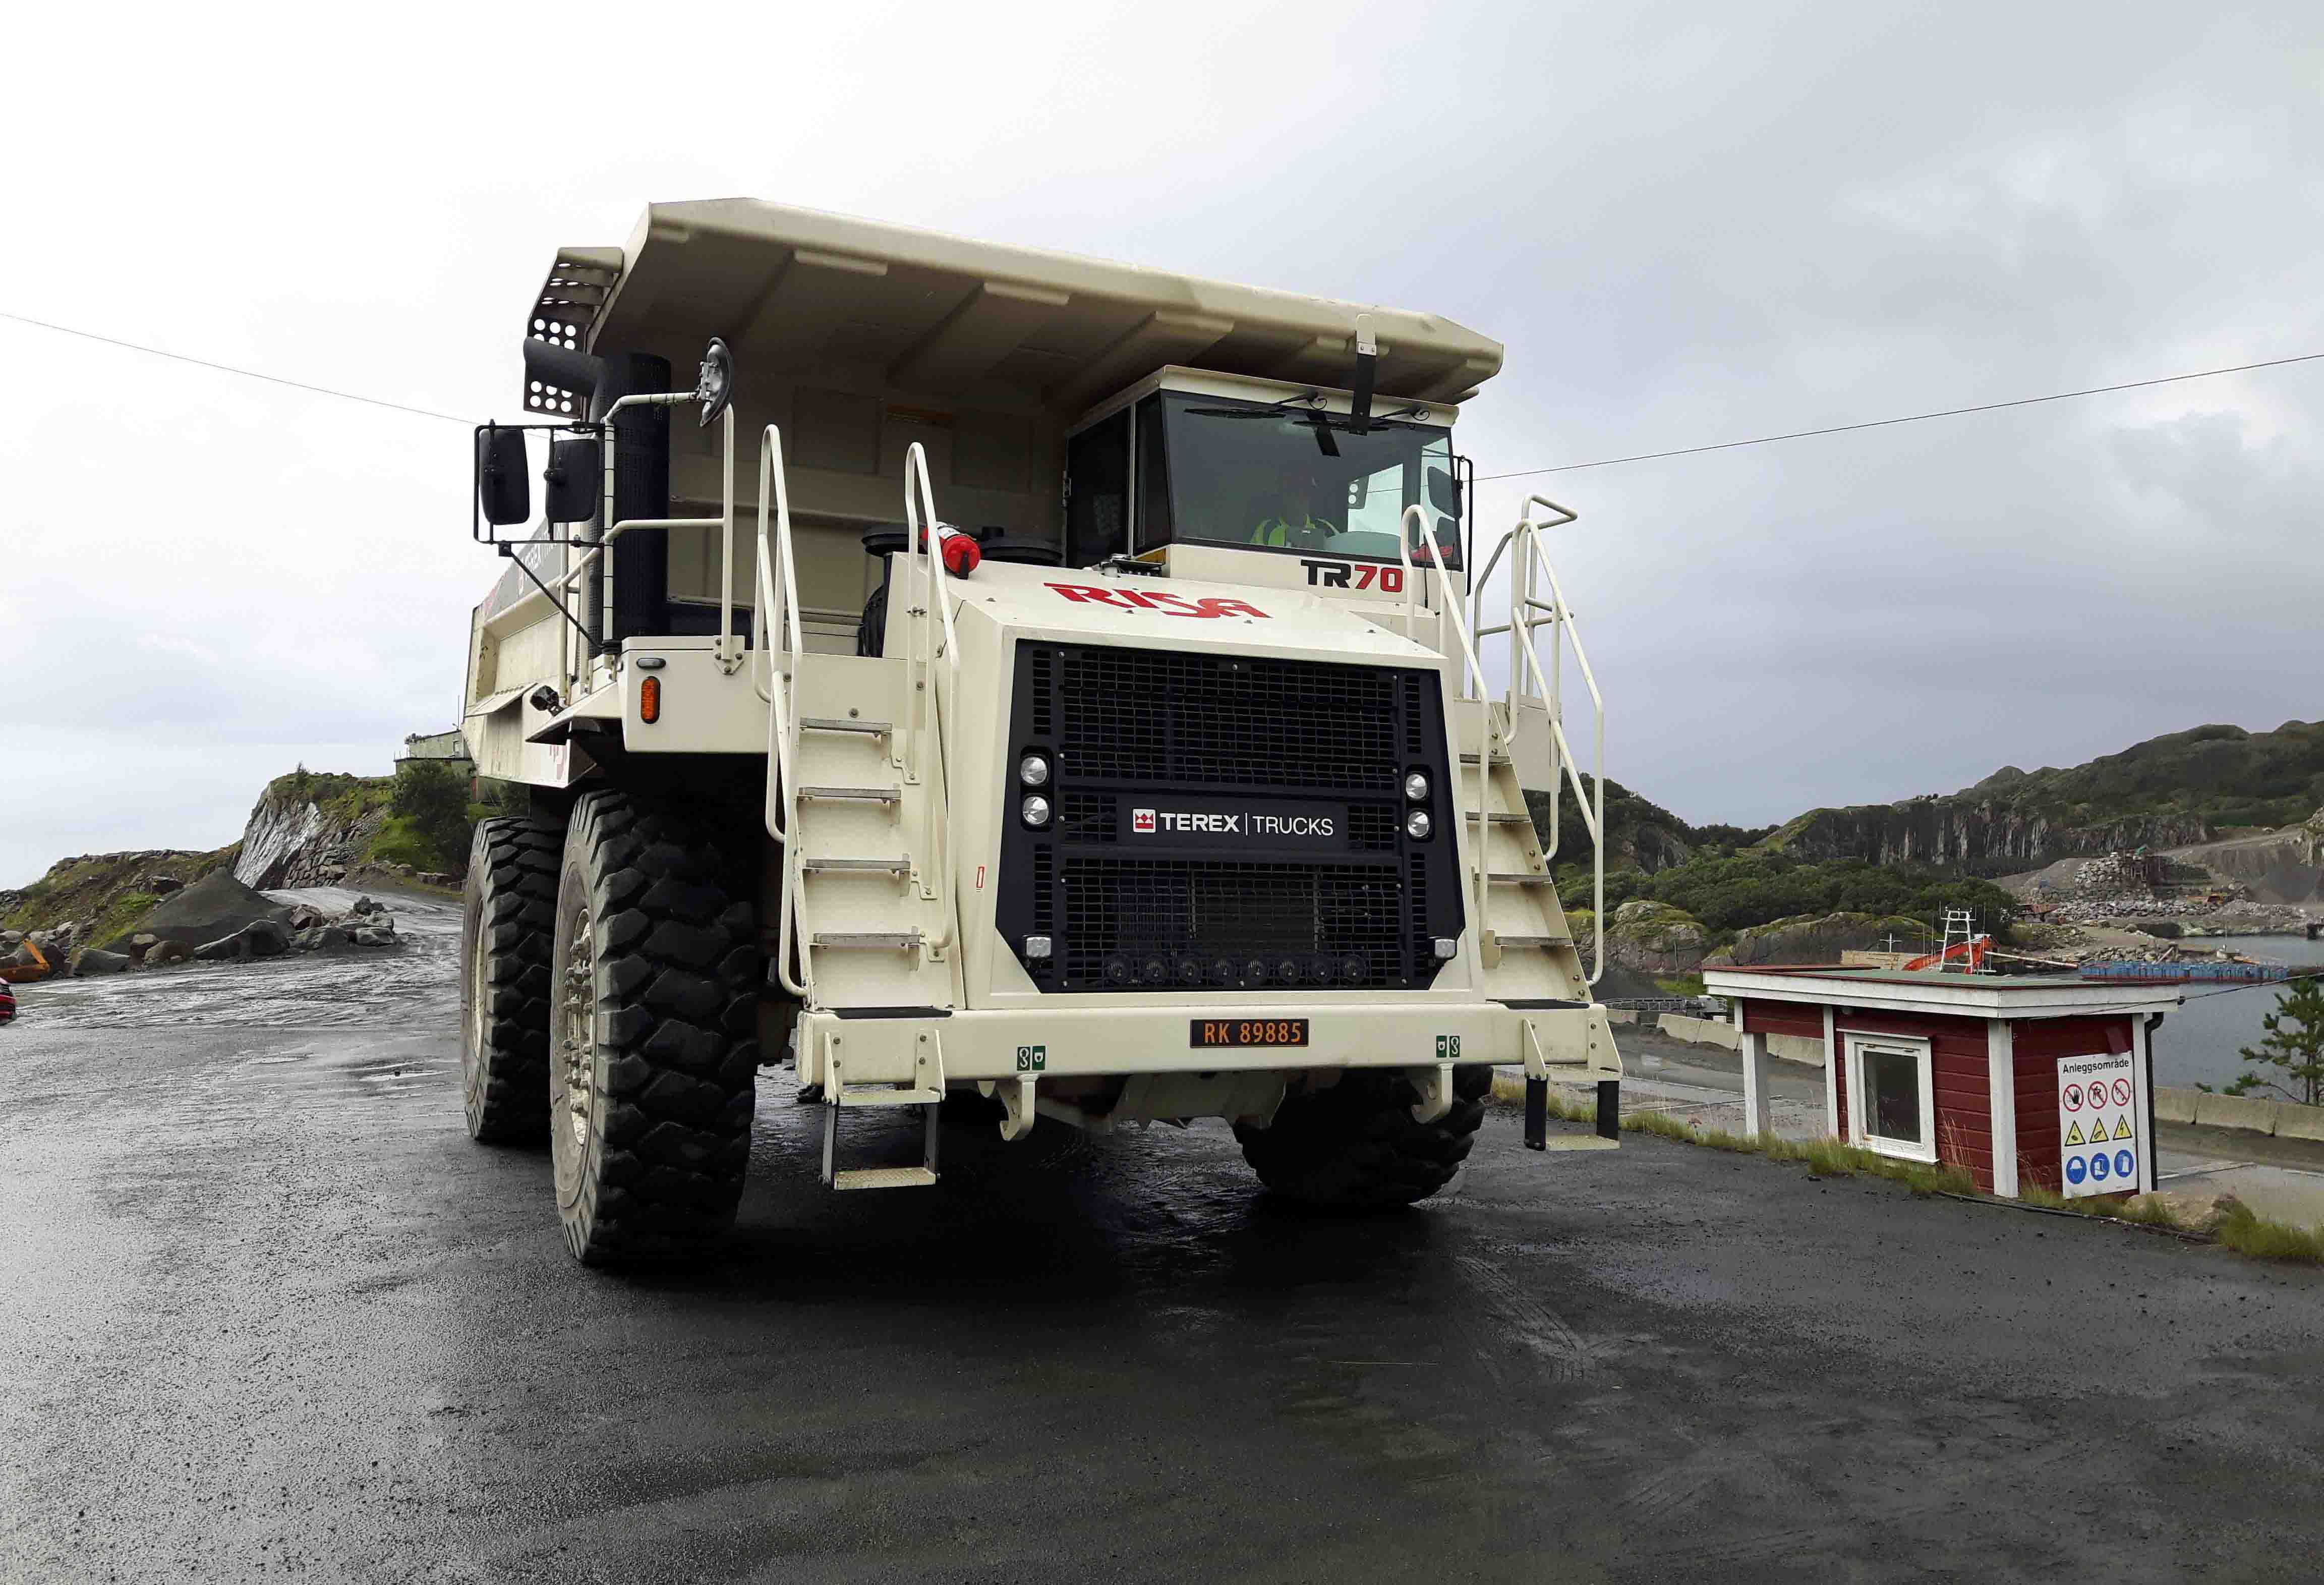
(1972, 832)
(291, 841)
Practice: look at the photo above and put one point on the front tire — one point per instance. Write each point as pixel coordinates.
(508, 920)
(1355, 1146)
(657, 978)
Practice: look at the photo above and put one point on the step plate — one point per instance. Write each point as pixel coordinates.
(884, 1178)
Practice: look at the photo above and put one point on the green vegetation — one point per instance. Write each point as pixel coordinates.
(2293, 1047)
(1736, 891)
(429, 824)
(104, 887)
(1640, 834)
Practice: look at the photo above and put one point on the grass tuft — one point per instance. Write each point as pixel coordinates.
(2263, 1239)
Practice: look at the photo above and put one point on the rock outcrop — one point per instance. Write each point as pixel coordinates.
(1974, 833)
(1813, 939)
(307, 829)
(1654, 938)
(213, 908)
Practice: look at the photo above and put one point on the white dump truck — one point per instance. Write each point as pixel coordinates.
(1098, 704)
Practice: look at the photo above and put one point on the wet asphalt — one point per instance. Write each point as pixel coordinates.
(265, 1311)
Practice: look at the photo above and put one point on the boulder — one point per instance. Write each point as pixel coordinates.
(322, 938)
(161, 885)
(92, 960)
(261, 938)
(211, 910)
(161, 952)
(305, 918)
(365, 906)
(1656, 938)
(2194, 1212)
(142, 942)
(371, 936)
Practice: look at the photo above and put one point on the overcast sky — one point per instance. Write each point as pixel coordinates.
(1688, 223)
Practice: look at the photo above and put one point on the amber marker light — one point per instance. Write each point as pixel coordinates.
(650, 701)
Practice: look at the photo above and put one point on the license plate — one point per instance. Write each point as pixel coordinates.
(1212, 1033)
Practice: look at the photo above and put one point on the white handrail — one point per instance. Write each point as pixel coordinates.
(780, 647)
(920, 536)
(1474, 674)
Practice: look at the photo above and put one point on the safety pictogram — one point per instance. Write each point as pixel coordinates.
(2096, 1116)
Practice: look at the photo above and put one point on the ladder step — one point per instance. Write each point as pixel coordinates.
(1499, 759)
(874, 1094)
(894, 941)
(884, 1178)
(864, 866)
(854, 794)
(1535, 941)
(1496, 818)
(1521, 878)
(831, 724)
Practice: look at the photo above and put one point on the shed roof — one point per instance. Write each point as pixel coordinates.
(791, 287)
(1944, 993)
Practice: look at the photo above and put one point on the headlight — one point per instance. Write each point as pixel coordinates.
(1415, 787)
(1416, 824)
(1036, 811)
(1033, 770)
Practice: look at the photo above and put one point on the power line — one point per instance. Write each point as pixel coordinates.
(1875, 423)
(231, 369)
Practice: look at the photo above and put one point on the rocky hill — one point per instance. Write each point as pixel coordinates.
(2169, 791)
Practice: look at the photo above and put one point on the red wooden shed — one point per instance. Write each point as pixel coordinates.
(2019, 1079)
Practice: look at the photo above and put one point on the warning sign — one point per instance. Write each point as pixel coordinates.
(2096, 1115)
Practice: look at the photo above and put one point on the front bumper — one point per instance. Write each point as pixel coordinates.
(1569, 1043)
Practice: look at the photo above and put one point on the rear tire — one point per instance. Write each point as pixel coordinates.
(1355, 1147)
(509, 919)
(658, 973)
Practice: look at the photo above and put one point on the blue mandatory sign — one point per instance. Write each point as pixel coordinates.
(2126, 1164)
(2077, 1169)
(2099, 1167)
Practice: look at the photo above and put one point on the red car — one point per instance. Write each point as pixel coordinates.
(7, 1001)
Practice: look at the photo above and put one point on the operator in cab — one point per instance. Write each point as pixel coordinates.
(1285, 522)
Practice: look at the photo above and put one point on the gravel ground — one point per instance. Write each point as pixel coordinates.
(268, 1312)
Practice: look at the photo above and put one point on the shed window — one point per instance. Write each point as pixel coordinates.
(1892, 1106)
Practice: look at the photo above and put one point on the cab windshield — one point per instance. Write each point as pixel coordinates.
(1213, 470)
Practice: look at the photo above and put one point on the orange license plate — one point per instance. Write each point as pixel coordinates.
(1209, 1033)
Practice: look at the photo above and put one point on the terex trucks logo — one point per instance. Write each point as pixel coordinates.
(1310, 823)
(1170, 605)
(1353, 575)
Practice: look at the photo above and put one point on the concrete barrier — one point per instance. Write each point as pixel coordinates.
(2175, 1105)
(2234, 1111)
(1798, 1048)
(2294, 1121)
(1621, 1015)
(1701, 1031)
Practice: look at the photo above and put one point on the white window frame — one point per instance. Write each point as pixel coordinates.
(1859, 1112)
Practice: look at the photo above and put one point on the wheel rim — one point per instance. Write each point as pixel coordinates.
(576, 1036)
(480, 1001)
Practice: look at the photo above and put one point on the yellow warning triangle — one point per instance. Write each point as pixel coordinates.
(2074, 1135)
(2122, 1128)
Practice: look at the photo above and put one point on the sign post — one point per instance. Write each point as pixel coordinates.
(2101, 1129)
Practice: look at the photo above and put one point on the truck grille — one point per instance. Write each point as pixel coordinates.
(1127, 901)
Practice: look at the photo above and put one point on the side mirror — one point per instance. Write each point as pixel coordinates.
(714, 386)
(1444, 491)
(502, 487)
(574, 481)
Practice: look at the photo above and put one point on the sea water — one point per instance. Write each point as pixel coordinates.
(2199, 1039)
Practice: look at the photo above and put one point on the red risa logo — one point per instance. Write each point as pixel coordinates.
(1141, 820)
(1170, 605)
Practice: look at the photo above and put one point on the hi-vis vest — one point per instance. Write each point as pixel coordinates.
(1275, 532)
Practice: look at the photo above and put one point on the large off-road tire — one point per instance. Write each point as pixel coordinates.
(1354, 1147)
(657, 969)
(508, 923)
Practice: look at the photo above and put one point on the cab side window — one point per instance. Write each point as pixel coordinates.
(1097, 511)
(1153, 477)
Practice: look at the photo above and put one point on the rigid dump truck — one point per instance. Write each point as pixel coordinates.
(1084, 713)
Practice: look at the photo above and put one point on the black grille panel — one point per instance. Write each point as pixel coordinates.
(1150, 716)
(1152, 923)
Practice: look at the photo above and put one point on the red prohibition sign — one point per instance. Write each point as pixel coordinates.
(2122, 1092)
(2073, 1098)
